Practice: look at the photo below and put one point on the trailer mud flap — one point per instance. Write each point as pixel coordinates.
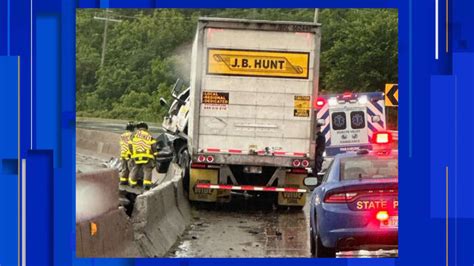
(208, 176)
(293, 198)
(224, 195)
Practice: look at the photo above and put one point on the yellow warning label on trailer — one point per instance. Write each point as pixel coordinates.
(210, 97)
(302, 105)
(258, 63)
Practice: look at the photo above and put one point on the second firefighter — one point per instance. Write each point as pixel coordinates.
(143, 149)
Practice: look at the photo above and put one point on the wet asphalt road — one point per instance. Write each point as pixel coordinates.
(244, 228)
(251, 228)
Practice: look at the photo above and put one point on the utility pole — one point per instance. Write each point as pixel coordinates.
(106, 27)
(316, 14)
(104, 40)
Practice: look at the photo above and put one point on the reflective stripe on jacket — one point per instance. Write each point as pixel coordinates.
(142, 147)
(124, 148)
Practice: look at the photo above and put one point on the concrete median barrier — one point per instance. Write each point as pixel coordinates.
(103, 229)
(107, 235)
(98, 142)
(160, 216)
(182, 202)
(96, 193)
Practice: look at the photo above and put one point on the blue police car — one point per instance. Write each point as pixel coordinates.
(355, 203)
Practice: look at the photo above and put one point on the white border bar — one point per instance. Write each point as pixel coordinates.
(436, 30)
(23, 212)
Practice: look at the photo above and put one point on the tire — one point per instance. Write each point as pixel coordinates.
(183, 161)
(321, 251)
(312, 246)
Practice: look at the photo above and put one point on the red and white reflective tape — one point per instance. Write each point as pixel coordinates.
(254, 188)
(261, 152)
(219, 150)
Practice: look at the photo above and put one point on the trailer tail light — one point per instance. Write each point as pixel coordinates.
(296, 163)
(382, 216)
(201, 158)
(305, 163)
(198, 165)
(210, 159)
(298, 171)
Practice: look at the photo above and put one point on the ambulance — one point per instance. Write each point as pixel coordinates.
(350, 119)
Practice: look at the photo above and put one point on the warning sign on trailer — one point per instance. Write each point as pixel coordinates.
(258, 63)
(215, 100)
(302, 105)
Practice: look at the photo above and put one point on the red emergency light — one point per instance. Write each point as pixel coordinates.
(319, 103)
(382, 216)
(382, 138)
(347, 95)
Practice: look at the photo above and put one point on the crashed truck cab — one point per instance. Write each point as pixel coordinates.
(176, 119)
(251, 127)
(172, 143)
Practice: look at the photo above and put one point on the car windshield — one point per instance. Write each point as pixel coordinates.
(369, 167)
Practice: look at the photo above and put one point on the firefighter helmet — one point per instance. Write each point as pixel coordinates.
(130, 126)
(142, 125)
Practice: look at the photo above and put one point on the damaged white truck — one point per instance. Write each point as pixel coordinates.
(251, 122)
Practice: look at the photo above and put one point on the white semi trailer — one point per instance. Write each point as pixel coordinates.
(251, 121)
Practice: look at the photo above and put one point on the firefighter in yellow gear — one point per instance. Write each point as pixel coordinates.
(125, 153)
(143, 148)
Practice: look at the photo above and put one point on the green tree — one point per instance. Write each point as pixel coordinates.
(147, 50)
(359, 49)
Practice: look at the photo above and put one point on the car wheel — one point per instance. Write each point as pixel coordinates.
(311, 243)
(321, 251)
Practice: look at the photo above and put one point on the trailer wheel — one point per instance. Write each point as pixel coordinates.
(184, 162)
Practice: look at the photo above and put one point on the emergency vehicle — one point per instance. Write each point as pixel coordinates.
(354, 205)
(350, 120)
